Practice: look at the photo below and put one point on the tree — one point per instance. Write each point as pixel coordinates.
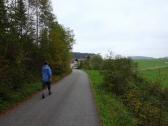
(3, 18)
(30, 34)
(59, 47)
(3, 27)
(96, 62)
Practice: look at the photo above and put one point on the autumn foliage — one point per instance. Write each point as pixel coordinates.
(29, 35)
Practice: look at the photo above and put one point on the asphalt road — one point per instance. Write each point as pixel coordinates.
(71, 104)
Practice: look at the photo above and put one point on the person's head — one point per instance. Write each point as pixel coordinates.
(45, 63)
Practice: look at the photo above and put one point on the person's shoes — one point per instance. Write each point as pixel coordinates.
(43, 96)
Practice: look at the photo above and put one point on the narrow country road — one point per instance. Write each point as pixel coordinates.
(71, 104)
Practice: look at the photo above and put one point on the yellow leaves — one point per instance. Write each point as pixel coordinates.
(59, 51)
(133, 98)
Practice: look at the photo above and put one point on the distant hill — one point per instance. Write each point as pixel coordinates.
(78, 55)
(165, 58)
(140, 57)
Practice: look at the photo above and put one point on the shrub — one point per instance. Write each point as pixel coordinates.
(118, 74)
(93, 62)
(145, 99)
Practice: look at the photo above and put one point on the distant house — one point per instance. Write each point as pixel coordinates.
(81, 56)
(78, 57)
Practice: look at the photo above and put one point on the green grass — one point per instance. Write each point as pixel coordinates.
(155, 71)
(111, 110)
(15, 97)
(12, 98)
(159, 76)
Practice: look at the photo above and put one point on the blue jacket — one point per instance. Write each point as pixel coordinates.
(46, 73)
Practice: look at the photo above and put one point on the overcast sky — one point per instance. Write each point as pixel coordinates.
(126, 27)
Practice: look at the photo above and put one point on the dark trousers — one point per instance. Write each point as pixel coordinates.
(47, 84)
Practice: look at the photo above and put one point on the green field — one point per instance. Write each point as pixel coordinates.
(152, 64)
(155, 71)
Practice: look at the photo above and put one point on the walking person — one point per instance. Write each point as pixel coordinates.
(46, 78)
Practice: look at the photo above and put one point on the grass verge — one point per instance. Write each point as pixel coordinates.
(15, 97)
(111, 110)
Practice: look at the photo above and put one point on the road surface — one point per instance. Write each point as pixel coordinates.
(71, 104)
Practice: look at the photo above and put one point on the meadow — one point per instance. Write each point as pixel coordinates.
(154, 70)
